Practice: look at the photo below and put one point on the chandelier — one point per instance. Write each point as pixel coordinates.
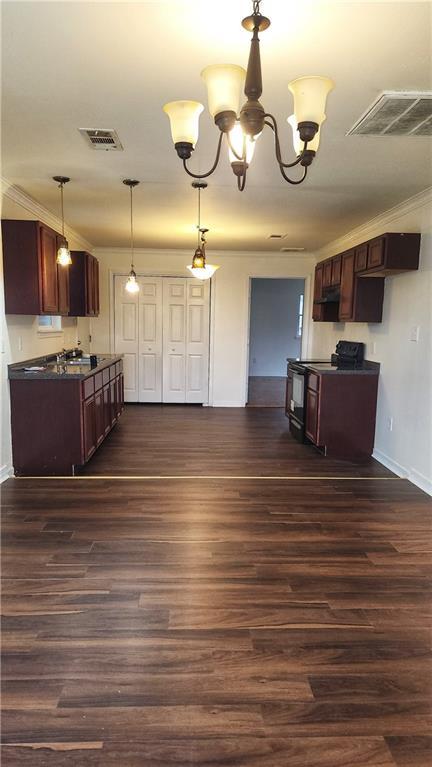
(199, 267)
(224, 84)
(132, 285)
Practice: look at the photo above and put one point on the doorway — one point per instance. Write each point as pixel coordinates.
(275, 333)
(163, 333)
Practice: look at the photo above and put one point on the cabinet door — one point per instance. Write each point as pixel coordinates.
(89, 419)
(48, 267)
(327, 274)
(312, 402)
(99, 417)
(106, 408)
(361, 258)
(63, 286)
(89, 280)
(118, 396)
(347, 286)
(376, 253)
(113, 401)
(317, 310)
(95, 286)
(336, 270)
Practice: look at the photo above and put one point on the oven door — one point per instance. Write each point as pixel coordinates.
(296, 401)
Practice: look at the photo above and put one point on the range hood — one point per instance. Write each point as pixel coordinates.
(332, 297)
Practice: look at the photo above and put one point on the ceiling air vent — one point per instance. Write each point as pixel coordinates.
(397, 114)
(102, 138)
(291, 250)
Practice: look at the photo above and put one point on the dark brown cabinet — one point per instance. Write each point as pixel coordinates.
(67, 419)
(33, 281)
(341, 412)
(84, 285)
(361, 297)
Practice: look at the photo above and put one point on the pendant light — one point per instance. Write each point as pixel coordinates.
(199, 268)
(63, 252)
(132, 285)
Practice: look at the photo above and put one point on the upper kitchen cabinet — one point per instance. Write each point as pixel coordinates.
(343, 290)
(84, 285)
(33, 281)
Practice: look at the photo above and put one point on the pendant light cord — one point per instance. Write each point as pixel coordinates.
(131, 228)
(199, 216)
(62, 209)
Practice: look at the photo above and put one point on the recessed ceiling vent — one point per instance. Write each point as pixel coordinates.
(102, 138)
(275, 236)
(397, 114)
(291, 250)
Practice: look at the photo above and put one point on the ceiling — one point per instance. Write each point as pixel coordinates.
(70, 65)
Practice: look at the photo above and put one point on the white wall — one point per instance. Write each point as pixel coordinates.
(274, 313)
(20, 338)
(230, 306)
(405, 383)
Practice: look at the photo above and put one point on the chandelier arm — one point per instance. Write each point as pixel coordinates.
(215, 164)
(241, 158)
(241, 181)
(290, 181)
(282, 164)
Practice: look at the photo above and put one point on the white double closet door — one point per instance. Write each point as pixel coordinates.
(163, 333)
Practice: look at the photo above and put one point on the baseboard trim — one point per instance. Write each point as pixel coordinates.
(6, 471)
(228, 403)
(412, 475)
(417, 478)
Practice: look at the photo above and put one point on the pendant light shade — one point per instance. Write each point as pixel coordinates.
(184, 119)
(310, 96)
(225, 83)
(132, 285)
(63, 252)
(199, 268)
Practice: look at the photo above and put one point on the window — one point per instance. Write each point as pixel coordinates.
(49, 324)
(300, 316)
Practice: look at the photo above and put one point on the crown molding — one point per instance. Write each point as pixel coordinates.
(370, 228)
(210, 254)
(21, 198)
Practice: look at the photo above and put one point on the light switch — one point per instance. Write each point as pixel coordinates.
(415, 333)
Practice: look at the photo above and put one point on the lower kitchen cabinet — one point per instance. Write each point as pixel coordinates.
(341, 412)
(57, 425)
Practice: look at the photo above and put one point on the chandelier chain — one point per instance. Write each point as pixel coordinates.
(256, 7)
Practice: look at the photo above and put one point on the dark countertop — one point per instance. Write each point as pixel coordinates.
(52, 371)
(326, 368)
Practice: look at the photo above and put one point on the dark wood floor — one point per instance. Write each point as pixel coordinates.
(266, 391)
(210, 622)
(213, 442)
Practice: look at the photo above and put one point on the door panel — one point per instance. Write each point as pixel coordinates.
(48, 249)
(174, 339)
(126, 336)
(197, 347)
(150, 339)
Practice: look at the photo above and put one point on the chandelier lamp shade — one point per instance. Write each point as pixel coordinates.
(63, 252)
(199, 267)
(243, 125)
(132, 285)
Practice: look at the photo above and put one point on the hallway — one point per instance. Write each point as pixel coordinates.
(249, 622)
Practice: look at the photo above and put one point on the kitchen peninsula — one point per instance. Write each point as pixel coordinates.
(62, 408)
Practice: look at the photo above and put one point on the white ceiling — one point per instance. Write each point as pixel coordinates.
(69, 65)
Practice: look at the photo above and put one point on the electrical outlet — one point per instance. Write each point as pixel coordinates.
(390, 423)
(415, 333)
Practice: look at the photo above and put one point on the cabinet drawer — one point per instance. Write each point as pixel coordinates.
(105, 376)
(376, 253)
(361, 256)
(98, 381)
(313, 382)
(88, 387)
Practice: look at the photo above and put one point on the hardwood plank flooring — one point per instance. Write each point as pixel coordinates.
(213, 622)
